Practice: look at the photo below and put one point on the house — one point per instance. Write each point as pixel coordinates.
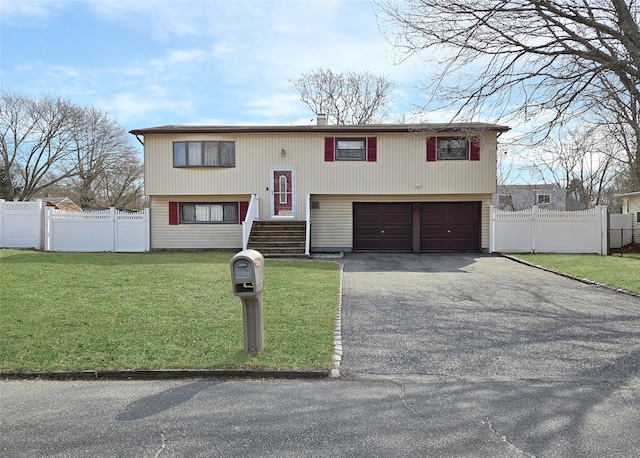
(522, 197)
(62, 203)
(389, 187)
(631, 204)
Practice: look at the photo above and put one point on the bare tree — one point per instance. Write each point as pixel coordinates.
(104, 159)
(584, 162)
(346, 98)
(51, 145)
(36, 142)
(122, 184)
(529, 59)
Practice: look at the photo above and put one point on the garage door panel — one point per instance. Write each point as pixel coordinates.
(398, 232)
(396, 245)
(450, 226)
(462, 219)
(463, 231)
(382, 226)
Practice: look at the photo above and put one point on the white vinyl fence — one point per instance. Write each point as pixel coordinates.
(32, 225)
(107, 230)
(547, 231)
(20, 224)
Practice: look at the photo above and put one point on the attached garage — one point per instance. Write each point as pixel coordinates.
(416, 226)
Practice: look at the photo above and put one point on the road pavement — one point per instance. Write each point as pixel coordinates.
(444, 355)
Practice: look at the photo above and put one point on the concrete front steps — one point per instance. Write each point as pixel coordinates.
(278, 238)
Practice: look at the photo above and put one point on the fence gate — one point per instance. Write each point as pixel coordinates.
(106, 230)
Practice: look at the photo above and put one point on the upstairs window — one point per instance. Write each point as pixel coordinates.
(351, 149)
(453, 148)
(204, 154)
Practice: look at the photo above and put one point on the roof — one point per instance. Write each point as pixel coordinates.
(363, 128)
(62, 203)
(628, 194)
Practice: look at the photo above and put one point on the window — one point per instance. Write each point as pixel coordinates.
(208, 213)
(452, 148)
(350, 149)
(638, 217)
(543, 198)
(204, 154)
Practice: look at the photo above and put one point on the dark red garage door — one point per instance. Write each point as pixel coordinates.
(382, 226)
(450, 226)
(439, 226)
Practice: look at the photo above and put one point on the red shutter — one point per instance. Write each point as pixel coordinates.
(474, 149)
(174, 213)
(244, 206)
(372, 149)
(329, 149)
(431, 148)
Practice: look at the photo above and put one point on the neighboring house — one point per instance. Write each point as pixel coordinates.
(522, 197)
(62, 203)
(631, 204)
(406, 187)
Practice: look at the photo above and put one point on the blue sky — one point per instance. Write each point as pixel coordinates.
(219, 62)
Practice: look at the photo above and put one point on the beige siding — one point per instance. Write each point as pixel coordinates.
(332, 221)
(192, 236)
(401, 168)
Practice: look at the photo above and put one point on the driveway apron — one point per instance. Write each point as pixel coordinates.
(477, 316)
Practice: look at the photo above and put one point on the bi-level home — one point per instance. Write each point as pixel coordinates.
(387, 187)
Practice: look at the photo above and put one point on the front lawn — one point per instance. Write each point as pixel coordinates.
(101, 311)
(615, 270)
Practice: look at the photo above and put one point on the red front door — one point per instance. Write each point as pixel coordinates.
(282, 195)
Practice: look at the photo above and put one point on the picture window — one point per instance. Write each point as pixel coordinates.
(204, 154)
(204, 213)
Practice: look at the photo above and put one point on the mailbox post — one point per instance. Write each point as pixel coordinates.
(247, 282)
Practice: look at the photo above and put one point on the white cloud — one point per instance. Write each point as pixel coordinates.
(19, 9)
(128, 107)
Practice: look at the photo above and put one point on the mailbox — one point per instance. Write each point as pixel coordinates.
(247, 273)
(247, 281)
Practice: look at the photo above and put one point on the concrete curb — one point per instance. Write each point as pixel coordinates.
(163, 374)
(337, 333)
(573, 277)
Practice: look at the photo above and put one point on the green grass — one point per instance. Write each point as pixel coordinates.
(615, 270)
(102, 311)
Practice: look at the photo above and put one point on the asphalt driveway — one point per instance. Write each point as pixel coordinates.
(476, 317)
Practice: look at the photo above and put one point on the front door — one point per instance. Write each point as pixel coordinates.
(282, 193)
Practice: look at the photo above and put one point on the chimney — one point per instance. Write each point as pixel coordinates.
(322, 119)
